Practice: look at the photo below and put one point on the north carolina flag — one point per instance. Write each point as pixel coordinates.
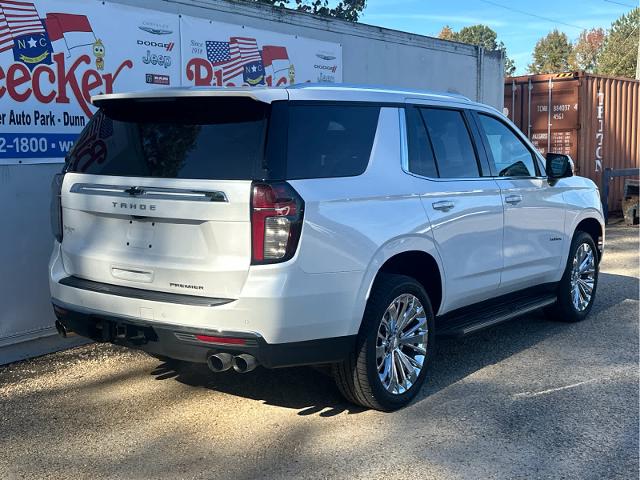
(276, 62)
(275, 57)
(74, 30)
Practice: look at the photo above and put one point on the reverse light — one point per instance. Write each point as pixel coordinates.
(276, 222)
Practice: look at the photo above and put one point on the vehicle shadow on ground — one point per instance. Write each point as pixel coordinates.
(312, 391)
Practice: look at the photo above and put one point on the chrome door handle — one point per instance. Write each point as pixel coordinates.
(444, 206)
(513, 199)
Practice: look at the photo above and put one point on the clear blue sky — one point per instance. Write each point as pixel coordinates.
(517, 30)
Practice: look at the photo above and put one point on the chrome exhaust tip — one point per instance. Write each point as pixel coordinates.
(244, 363)
(219, 362)
(63, 331)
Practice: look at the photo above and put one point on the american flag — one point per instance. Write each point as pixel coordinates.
(233, 55)
(16, 20)
(106, 129)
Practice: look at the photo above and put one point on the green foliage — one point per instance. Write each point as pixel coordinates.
(509, 66)
(619, 54)
(482, 36)
(349, 10)
(552, 54)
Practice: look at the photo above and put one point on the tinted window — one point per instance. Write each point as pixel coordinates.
(451, 142)
(188, 138)
(330, 140)
(510, 155)
(421, 161)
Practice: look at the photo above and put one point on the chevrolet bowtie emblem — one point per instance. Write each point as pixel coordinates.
(134, 191)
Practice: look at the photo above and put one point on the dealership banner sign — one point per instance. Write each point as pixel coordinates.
(224, 55)
(56, 54)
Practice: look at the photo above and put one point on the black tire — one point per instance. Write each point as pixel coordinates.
(357, 377)
(564, 310)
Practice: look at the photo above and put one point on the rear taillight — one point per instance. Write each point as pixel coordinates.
(56, 206)
(276, 222)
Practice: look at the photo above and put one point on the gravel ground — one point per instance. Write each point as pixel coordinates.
(527, 399)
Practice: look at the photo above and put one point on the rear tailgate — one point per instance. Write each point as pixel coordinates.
(178, 236)
(157, 192)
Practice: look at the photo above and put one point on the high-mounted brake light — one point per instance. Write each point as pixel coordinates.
(276, 222)
(56, 206)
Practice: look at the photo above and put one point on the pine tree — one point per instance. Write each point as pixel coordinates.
(619, 54)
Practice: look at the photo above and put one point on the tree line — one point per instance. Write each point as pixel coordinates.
(613, 52)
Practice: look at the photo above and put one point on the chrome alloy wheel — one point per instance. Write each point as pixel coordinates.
(401, 344)
(583, 277)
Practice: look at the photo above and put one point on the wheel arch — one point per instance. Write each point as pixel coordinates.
(416, 257)
(595, 229)
(421, 266)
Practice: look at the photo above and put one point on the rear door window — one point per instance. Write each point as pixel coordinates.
(420, 151)
(330, 140)
(195, 138)
(449, 135)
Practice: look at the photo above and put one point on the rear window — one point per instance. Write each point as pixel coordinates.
(330, 140)
(185, 138)
(226, 139)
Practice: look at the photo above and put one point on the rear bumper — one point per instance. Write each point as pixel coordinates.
(182, 343)
(281, 304)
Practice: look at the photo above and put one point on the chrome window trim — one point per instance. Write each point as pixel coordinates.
(149, 193)
(404, 141)
(404, 154)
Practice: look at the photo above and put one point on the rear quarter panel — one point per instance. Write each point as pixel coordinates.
(355, 224)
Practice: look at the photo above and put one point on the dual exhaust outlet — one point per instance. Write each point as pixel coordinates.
(221, 362)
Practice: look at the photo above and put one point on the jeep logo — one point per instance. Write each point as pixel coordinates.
(133, 206)
(153, 59)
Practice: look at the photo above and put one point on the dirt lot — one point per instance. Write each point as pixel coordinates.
(527, 399)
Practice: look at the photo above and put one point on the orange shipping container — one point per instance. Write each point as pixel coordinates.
(593, 118)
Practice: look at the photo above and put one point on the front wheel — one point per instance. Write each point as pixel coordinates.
(389, 365)
(577, 288)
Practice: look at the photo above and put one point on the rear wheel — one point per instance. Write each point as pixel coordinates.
(577, 288)
(389, 365)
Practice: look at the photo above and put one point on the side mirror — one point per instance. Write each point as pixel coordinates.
(559, 166)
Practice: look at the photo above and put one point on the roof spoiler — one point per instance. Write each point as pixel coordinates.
(264, 95)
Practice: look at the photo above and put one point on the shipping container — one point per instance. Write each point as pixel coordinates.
(593, 118)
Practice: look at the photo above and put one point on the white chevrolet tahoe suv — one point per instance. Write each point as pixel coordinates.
(314, 225)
